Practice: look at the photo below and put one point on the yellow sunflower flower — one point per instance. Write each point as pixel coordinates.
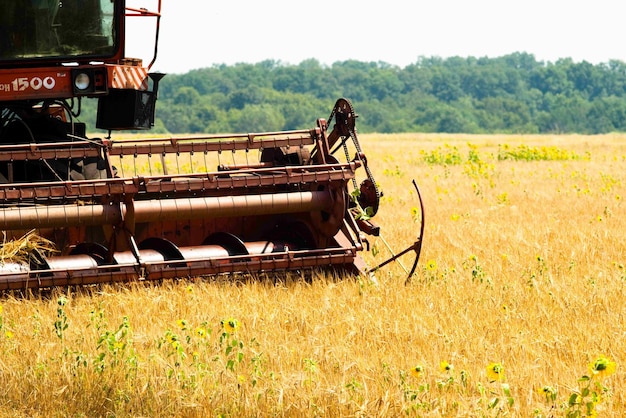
(602, 367)
(444, 366)
(495, 372)
(548, 392)
(417, 371)
(230, 325)
(431, 265)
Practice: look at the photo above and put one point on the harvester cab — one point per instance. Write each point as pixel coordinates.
(76, 210)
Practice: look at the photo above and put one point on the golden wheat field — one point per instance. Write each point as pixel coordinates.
(516, 309)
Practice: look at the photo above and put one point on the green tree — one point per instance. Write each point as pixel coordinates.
(512, 93)
(257, 118)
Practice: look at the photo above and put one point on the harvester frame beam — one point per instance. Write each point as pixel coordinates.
(56, 216)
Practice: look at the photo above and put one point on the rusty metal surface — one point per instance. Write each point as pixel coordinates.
(52, 216)
(215, 143)
(34, 152)
(181, 182)
(167, 269)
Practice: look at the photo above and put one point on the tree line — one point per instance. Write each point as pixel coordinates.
(510, 94)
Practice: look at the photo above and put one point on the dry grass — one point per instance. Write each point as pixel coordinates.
(20, 250)
(523, 266)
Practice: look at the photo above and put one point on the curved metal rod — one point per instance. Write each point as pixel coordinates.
(416, 246)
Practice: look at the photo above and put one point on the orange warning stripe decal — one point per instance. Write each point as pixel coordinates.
(128, 77)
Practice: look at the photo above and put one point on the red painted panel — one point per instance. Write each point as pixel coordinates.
(35, 83)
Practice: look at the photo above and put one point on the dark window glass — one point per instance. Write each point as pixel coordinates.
(67, 29)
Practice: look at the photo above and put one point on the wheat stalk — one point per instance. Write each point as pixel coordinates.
(20, 250)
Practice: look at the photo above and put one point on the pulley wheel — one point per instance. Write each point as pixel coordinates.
(345, 117)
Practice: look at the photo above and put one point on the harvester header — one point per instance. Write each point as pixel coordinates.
(103, 210)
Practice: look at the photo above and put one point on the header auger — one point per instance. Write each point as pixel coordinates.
(145, 209)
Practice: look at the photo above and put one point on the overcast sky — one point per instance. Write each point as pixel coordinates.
(201, 33)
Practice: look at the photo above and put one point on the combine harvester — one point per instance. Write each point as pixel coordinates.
(146, 209)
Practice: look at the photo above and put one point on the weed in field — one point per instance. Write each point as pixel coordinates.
(475, 165)
(60, 325)
(115, 348)
(497, 394)
(446, 155)
(544, 153)
(234, 348)
(478, 168)
(5, 331)
(417, 371)
(447, 381)
(393, 172)
(609, 182)
(478, 274)
(495, 372)
(498, 390)
(502, 198)
(416, 214)
(430, 271)
(311, 369)
(354, 388)
(621, 270)
(585, 400)
(414, 388)
(359, 213)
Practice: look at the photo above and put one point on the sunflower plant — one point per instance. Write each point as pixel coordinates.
(229, 338)
(495, 374)
(583, 402)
